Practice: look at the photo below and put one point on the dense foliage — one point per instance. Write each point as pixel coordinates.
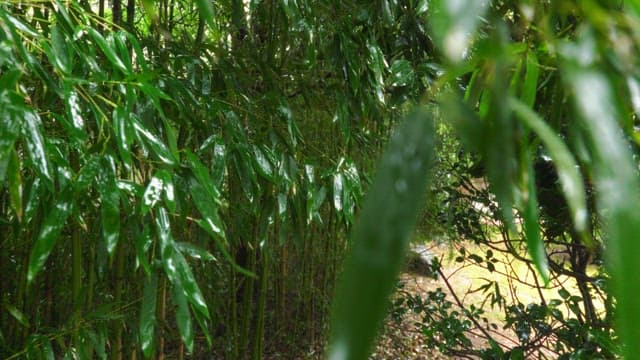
(180, 177)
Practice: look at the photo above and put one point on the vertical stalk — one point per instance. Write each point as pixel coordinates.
(119, 284)
(162, 314)
(262, 300)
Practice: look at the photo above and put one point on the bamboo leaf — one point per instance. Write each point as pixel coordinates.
(380, 238)
(206, 12)
(616, 180)
(35, 145)
(60, 52)
(108, 50)
(567, 167)
(530, 84)
(535, 245)
(148, 314)
(50, 232)
(15, 184)
(124, 134)
(454, 23)
(110, 207)
(176, 266)
(157, 146)
(17, 314)
(183, 318)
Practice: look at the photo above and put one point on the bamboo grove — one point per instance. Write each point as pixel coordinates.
(173, 183)
(181, 178)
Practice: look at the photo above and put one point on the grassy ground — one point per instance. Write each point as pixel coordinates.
(516, 281)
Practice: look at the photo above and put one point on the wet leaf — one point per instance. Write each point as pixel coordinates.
(152, 195)
(148, 314)
(17, 314)
(15, 184)
(124, 134)
(109, 207)
(108, 50)
(50, 232)
(176, 267)
(183, 318)
(401, 73)
(36, 146)
(60, 51)
(380, 238)
(155, 143)
(194, 251)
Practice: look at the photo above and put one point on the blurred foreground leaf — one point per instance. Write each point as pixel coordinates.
(380, 238)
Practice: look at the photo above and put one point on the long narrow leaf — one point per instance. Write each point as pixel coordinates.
(568, 171)
(616, 180)
(50, 232)
(380, 238)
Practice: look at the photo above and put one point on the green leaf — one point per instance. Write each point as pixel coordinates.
(176, 266)
(60, 52)
(535, 245)
(9, 130)
(454, 23)
(157, 146)
(206, 11)
(148, 314)
(49, 233)
(202, 175)
(108, 50)
(15, 184)
(567, 167)
(381, 237)
(194, 251)
(17, 314)
(124, 134)
(530, 84)
(74, 113)
(616, 179)
(211, 222)
(183, 318)
(152, 194)
(35, 145)
(109, 206)
(401, 73)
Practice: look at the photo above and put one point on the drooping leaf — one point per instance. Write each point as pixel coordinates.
(148, 314)
(60, 52)
(568, 171)
(50, 232)
(17, 314)
(401, 73)
(176, 267)
(530, 84)
(108, 50)
(124, 135)
(183, 318)
(15, 184)
(36, 146)
(158, 147)
(152, 195)
(616, 179)
(380, 238)
(9, 130)
(109, 206)
(206, 12)
(531, 217)
(454, 23)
